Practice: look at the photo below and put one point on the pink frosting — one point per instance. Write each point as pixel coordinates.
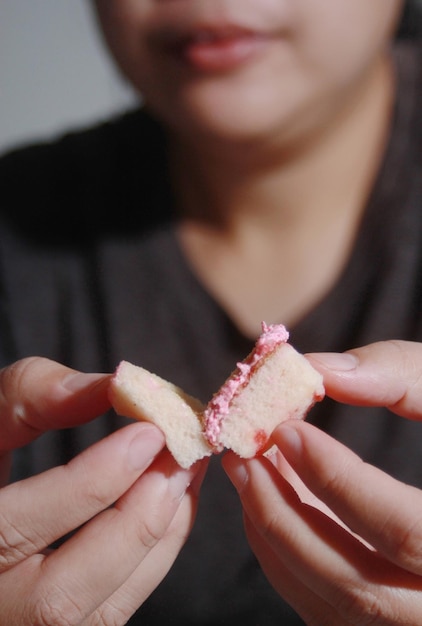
(272, 336)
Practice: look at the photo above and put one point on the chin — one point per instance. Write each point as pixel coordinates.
(252, 105)
(235, 128)
(225, 116)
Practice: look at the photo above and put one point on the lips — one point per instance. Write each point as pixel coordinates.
(217, 49)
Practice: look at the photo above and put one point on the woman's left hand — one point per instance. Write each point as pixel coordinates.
(339, 539)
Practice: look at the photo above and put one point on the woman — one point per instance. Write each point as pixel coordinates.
(272, 174)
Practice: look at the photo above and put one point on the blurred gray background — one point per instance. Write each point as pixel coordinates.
(55, 73)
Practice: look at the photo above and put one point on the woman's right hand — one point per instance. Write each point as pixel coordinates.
(338, 538)
(129, 504)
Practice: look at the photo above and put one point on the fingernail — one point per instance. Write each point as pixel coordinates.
(289, 441)
(144, 447)
(79, 381)
(340, 362)
(238, 474)
(179, 482)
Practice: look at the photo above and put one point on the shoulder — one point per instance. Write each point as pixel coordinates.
(104, 177)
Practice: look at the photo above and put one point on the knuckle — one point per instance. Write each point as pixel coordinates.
(13, 393)
(361, 606)
(12, 377)
(14, 545)
(334, 477)
(150, 532)
(407, 550)
(269, 522)
(95, 493)
(108, 615)
(274, 533)
(408, 370)
(54, 607)
(95, 497)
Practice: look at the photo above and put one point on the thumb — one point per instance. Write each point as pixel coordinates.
(386, 373)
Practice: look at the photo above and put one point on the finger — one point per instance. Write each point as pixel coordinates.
(38, 394)
(156, 564)
(83, 573)
(387, 373)
(359, 584)
(312, 609)
(39, 510)
(382, 510)
(304, 493)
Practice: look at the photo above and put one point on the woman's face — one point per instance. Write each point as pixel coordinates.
(245, 69)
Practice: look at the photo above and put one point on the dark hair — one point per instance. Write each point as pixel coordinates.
(410, 26)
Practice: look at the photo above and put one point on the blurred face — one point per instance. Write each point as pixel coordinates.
(245, 69)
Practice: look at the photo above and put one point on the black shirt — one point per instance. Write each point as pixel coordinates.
(91, 273)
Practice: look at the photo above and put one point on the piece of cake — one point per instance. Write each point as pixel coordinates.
(136, 392)
(274, 383)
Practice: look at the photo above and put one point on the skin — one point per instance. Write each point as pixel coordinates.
(299, 131)
(295, 80)
(136, 512)
(338, 538)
